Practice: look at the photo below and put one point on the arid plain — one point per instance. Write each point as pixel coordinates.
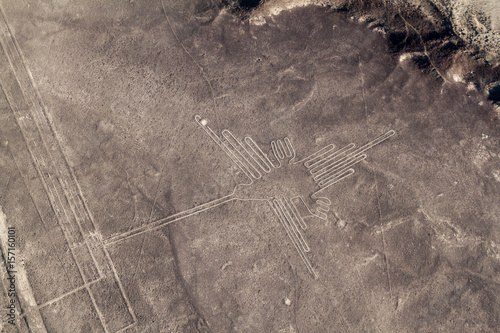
(170, 166)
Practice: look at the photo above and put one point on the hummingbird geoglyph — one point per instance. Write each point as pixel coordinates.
(294, 188)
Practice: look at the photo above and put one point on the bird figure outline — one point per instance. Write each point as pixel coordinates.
(269, 176)
(278, 178)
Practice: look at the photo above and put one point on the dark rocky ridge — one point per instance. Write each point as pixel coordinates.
(248, 3)
(421, 30)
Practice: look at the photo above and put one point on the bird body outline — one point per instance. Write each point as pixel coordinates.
(326, 167)
(267, 175)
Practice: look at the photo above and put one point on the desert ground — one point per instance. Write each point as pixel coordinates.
(209, 166)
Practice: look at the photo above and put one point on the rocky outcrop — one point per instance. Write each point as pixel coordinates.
(455, 40)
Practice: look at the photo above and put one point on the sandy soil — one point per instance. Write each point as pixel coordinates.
(108, 174)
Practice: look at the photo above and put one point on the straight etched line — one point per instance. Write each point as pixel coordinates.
(290, 149)
(333, 181)
(317, 155)
(335, 171)
(223, 146)
(120, 285)
(318, 165)
(37, 158)
(126, 327)
(367, 146)
(67, 294)
(277, 150)
(232, 154)
(260, 154)
(57, 212)
(39, 114)
(202, 71)
(170, 219)
(99, 313)
(328, 170)
(388, 134)
(40, 214)
(299, 218)
(277, 211)
(283, 150)
(236, 144)
(77, 216)
(384, 246)
(113, 269)
(290, 217)
(64, 170)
